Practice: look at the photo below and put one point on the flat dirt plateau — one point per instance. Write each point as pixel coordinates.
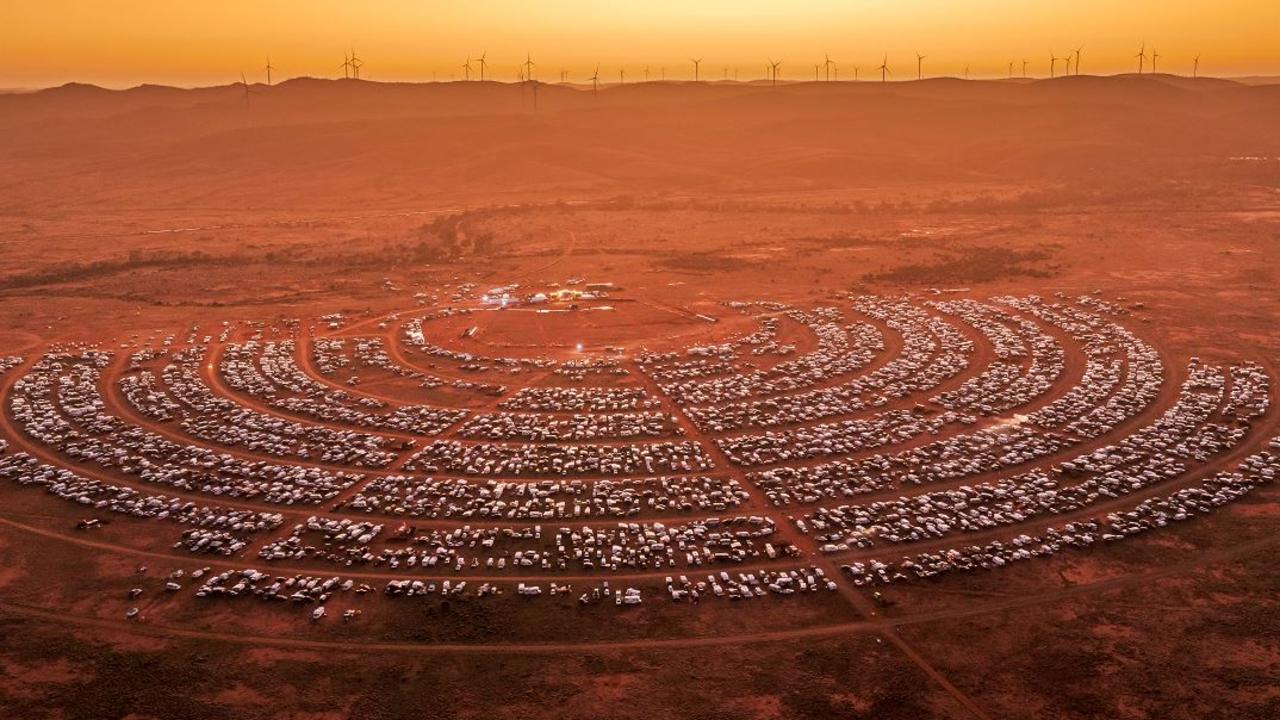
(340, 242)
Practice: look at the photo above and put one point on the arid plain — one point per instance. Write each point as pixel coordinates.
(169, 253)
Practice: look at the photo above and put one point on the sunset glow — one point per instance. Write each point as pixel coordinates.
(128, 42)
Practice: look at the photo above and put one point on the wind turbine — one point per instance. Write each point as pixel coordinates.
(528, 66)
(1024, 67)
(696, 63)
(1078, 59)
(855, 72)
(466, 68)
(1153, 60)
(773, 70)
(966, 72)
(815, 72)
(884, 68)
(622, 76)
(1067, 61)
(1142, 56)
(356, 64)
(827, 63)
(595, 80)
(1010, 69)
(483, 65)
(269, 69)
(646, 73)
(919, 66)
(346, 67)
(1195, 67)
(245, 84)
(1053, 61)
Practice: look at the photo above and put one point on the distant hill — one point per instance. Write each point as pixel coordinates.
(1258, 79)
(307, 142)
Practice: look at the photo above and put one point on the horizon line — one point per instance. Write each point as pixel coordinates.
(1239, 79)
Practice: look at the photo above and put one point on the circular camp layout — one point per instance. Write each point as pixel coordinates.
(575, 466)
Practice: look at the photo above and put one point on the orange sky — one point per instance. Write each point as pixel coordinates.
(189, 42)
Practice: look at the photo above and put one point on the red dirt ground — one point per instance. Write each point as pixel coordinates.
(131, 215)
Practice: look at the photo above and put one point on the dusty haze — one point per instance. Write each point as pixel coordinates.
(127, 216)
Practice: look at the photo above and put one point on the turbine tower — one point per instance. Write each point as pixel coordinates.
(483, 64)
(1142, 57)
(1053, 61)
(1024, 67)
(346, 67)
(773, 70)
(466, 68)
(269, 68)
(919, 66)
(1195, 67)
(696, 64)
(244, 84)
(1153, 60)
(356, 64)
(595, 80)
(884, 68)
(1078, 59)
(827, 63)
(528, 66)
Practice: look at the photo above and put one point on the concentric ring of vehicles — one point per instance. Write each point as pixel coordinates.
(800, 457)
